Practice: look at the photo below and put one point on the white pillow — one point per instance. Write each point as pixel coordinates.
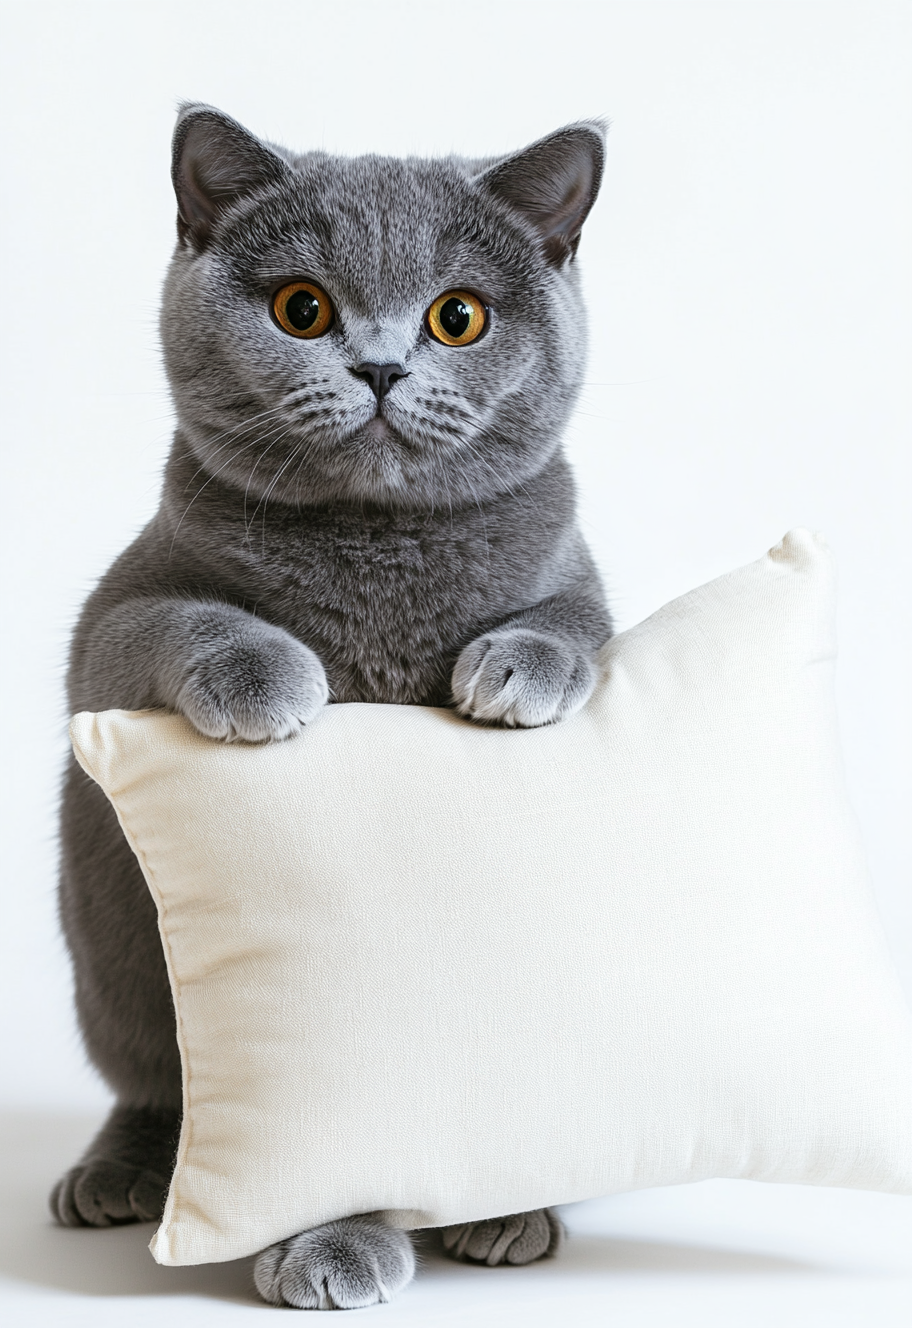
(449, 972)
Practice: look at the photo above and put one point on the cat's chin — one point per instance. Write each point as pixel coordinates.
(376, 455)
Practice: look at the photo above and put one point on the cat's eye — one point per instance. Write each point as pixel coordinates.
(302, 309)
(456, 318)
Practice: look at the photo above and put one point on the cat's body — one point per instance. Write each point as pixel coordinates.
(374, 515)
(386, 599)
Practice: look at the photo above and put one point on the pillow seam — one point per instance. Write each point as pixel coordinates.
(186, 1133)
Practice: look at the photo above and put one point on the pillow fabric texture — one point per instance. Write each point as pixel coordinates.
(447, 972)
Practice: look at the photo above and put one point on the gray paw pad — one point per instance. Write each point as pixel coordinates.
(518, 1239)
(105, 1194)
(342, 1265)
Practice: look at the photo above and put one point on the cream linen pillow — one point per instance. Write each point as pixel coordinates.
(451, 972)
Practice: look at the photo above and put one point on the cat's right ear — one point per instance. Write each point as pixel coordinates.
(553, 184)
(214, 162)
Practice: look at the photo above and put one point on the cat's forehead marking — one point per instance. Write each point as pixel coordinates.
(382, 232)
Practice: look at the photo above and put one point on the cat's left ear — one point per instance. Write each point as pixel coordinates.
(215, 161)
(553, 183)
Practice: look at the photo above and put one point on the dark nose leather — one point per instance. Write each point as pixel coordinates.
(380, 376)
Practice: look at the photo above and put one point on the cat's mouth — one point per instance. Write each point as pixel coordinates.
(382, 438)
(380, 429)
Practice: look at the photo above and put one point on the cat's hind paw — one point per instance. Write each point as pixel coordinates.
(107, 1194)
(343, 1265)
(518, 1239)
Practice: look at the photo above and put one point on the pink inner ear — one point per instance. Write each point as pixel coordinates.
(569, 215)
(194, 205)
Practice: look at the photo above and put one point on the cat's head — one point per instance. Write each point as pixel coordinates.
(401, 332)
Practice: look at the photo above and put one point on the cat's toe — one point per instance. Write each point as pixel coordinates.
(518, 1239)
(105, 1194)
(344, 1265)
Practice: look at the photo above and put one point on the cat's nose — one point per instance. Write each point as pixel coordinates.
(380, 376)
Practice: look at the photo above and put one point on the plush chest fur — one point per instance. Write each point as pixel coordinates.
(386, 599)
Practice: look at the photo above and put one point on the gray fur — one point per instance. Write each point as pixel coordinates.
(521, 1238)
(124, 1176)
(316, 542)
(344, 1265)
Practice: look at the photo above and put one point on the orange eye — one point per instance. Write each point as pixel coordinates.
(456, 318)
(302, 309)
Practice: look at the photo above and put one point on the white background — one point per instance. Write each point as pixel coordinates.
(748, 279)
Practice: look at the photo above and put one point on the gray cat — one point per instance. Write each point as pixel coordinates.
(372, 362)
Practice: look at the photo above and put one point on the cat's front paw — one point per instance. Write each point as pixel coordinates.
(260, 688)
(521, 678)
(344, 1265)
(518, 1239)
